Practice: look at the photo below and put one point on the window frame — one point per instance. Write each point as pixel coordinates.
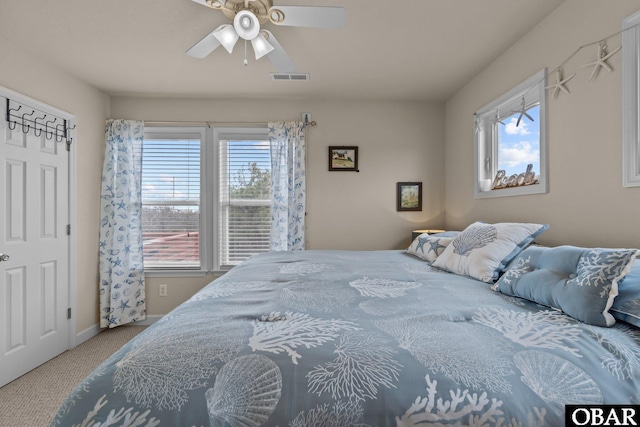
(631, 101)
(533, 91)
(210, 214)
(225, 134)
(174, 133)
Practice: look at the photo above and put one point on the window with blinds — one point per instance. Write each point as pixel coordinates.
(206, 202)
(171, 165)
(245, 201)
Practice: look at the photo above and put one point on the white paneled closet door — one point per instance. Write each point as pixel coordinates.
(34, 271)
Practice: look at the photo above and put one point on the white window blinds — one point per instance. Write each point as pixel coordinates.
(245, 201)
(171, 200)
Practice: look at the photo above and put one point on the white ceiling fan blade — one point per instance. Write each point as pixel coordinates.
(202, 2)
(279, 57)
(205, 46)
(309, 16)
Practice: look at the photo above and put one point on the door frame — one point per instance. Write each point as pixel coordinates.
(71, 188)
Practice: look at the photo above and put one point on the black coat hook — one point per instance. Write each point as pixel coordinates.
(9, 115)
(49, 133)
(60, 132)
(25, 129)
(37, 130)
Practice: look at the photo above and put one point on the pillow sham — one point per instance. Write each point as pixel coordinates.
(581, 282)
(626, 306)
(428, 246)
(482, 251)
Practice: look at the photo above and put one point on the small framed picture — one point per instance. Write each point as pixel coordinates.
(343, 159)
(409, 196)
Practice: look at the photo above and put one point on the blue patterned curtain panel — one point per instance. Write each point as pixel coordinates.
(288, 185)
(122, 296)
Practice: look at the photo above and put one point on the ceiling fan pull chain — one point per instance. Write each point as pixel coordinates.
(245, 54)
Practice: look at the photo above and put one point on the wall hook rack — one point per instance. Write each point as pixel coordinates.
(55, 128)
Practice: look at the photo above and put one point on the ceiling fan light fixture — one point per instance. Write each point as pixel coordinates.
(227, 36)
(246, 24)
(261, 46)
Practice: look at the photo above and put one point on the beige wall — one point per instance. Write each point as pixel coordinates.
(397, 141)
(29, 76)
(586, 204)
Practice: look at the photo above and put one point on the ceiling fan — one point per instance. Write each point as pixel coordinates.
(246, 17)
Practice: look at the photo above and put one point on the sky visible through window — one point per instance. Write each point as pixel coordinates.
(171, 168)
(519, 146)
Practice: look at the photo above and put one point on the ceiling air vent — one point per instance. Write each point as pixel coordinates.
(289, 76)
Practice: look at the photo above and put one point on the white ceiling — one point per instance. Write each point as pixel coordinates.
(414, 49)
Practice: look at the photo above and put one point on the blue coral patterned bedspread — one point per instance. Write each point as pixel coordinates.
(340, 338)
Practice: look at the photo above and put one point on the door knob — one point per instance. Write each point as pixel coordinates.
(4, 257)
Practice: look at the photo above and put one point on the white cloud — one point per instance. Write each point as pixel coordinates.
(520, 153)
(511, 129)
(263, 145)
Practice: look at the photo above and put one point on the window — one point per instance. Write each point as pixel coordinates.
(631, 101)
(245, 196)
(510, 146)
(171, 165)
(205, 197)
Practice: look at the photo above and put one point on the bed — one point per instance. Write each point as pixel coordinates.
(348, 338)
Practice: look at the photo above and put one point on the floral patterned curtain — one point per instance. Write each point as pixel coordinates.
(288, 185)
(122, 292)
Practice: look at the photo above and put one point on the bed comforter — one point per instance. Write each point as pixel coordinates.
(339, 338)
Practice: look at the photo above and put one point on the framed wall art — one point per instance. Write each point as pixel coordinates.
(343, 158)
(409, 196)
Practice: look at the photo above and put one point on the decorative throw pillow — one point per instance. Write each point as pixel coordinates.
(428, 247)
(626, 306)
(482, 251)
(581, 282)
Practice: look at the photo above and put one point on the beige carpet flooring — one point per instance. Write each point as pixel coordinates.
(33, 399)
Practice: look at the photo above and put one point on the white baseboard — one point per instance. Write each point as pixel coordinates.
(87, 334)
(94, 330)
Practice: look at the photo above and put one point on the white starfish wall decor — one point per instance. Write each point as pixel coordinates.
(560, 83)
(601, 62)
(523, 113)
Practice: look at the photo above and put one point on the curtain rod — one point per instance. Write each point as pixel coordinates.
(209, 123)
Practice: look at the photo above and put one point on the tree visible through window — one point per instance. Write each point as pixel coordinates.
(245, 200)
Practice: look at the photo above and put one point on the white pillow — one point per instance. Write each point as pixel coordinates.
(483, 250)
(428, 247)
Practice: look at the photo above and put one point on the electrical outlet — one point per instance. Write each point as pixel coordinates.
(162, 290)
